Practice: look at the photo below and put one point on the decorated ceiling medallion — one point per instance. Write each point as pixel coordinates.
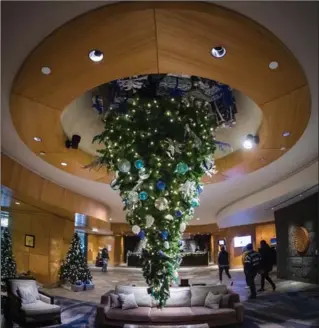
(96, 55)
(218, 52)
(46, 70)
(273, 65)
(217, 97)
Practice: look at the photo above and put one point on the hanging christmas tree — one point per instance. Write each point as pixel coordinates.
(75, 267)
(8, 264)
(159, 150)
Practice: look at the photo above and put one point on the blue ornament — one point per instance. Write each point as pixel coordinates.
(143, 195)
(139, 164)
(164, 234)
(160, 185)
(200, 189)
(181, 168)
(195, 202)
(161, 253)
(180, 243)
(141, 234)
(178, 213)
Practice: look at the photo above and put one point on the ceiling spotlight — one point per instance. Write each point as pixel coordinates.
(42, 153)
(218, 52)
(46, 70)
(300, 195)
(38, 139)
(198, 219)
(110, 219)
(96, 55)
(64, 164)
(250, 141)
(74, 142)
(95, 230)
(17, 203)
(283, 148)
(272, 208)
(286, 134)
(273, 65)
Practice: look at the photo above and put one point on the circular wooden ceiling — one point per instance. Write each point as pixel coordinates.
(160, 37)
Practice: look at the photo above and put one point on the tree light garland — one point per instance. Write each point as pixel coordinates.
(158, 150)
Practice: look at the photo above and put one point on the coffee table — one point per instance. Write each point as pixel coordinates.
(203, 325)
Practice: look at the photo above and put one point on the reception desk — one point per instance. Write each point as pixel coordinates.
(188, 259)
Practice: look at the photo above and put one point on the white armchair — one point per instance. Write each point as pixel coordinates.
(31, 307)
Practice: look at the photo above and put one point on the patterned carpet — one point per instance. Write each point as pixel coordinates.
(273, 310)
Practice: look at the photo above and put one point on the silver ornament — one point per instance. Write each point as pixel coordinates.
(161, 203)
(124, 165)
(133, 197)
(149, 220)
(136, 229)
(182, 227)
(166, 244)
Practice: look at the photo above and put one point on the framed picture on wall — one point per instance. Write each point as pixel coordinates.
(29, 241)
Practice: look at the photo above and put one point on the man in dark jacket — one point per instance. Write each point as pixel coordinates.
(251, 267)
(223, 264)
(266, 265)
(105, 258)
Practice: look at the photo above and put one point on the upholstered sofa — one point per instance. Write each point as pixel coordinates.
(34, 307)
(186, 305)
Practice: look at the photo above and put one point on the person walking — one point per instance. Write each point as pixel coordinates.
(266, 265)
(105, 258)
(223, 264)
(243, 263)
(251, 268)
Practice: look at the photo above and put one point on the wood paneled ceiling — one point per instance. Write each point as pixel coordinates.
(160, 37)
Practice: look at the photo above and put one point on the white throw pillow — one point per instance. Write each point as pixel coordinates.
(128, 301)
(212, 300)
(26, 294)
(115, 301)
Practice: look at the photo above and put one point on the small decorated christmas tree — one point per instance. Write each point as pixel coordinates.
(8, 264)
(75, 267)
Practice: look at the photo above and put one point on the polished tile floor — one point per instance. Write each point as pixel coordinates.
(133, 276)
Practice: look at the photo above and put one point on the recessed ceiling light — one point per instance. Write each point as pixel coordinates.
(286, 134)
(198, 219)
(273, 65)
(218, 52)
(283, 148)
(95, 229)
(18, 203)
(110, 219)
(64, 164)
(250, 141)
(38, 139)
(300, 195)
(46, 70)
(248, 144)
(96, 55)
(42, 153)
(272, 208)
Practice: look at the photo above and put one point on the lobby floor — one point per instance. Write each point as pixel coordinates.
(133, 276)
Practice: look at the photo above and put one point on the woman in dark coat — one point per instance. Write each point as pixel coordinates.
(266, 265)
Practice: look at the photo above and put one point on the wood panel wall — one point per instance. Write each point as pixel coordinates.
(29, 184)
(53, 236)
